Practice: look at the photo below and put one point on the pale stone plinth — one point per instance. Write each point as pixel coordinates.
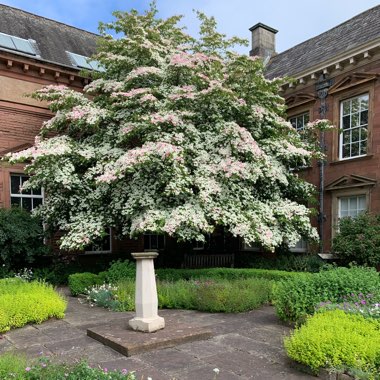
(146, 300)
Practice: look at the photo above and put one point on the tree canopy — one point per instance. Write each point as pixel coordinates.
(177, 136)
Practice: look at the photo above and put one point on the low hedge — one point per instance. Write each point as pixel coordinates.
(298, 297)
(338, 341)
(225, 273)
(24, 302)
(78, 282)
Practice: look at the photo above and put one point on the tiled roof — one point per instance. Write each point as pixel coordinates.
(52, 38)
(349, 35)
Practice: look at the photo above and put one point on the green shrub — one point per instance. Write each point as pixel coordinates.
(121, 270)
(204, 295)
(15, 367)
(224, 273)
(336, 340)
(296, 298)
(80, 282)
(28, 302)
(284, 262)
(358, 240)
(232, 296)
(177, 295)
(21, 238)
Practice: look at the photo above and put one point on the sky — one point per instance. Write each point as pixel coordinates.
(295, 20)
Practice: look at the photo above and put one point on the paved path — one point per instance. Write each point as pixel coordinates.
(245, 345)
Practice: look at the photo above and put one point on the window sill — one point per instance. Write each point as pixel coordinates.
(348, 160)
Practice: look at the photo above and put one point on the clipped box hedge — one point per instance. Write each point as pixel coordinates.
(79, 282)
(28, 302)
(339, 341)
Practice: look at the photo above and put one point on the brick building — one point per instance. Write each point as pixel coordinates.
(336, 77)
(35, 52)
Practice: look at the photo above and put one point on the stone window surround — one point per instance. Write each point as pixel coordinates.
(345, 193)
(337, 99)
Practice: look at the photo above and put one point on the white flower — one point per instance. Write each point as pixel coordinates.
(216, 370)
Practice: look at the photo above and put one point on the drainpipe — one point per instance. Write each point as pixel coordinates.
(322, 86)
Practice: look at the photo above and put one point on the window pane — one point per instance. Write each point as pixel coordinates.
(305, 119)
(355, 105)
(300, 125)
(363, 148)
(15, 201)
(37, 191)
(26, 204)
(346, 108)
(6, 41)
(363, 133)
(354, 120)
(362, 202)
(343, 204)
(23, 180)
(346, 151)
(146, 241)
(346, 122)
(346, 137)
(37, 202)
(293, 122)
(343, 214)
(355, 135)
(364, 118)
(354, 149)
(364, 102)
(23, 45)
(153, 242)
(15, 184)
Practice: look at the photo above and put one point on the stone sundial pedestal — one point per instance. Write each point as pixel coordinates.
(146, 301)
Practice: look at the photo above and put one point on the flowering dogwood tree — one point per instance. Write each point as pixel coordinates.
(177, 136)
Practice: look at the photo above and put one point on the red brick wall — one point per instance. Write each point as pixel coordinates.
(367, 166)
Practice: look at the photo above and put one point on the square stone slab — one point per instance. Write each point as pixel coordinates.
(128, 342)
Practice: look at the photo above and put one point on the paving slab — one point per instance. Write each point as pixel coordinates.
(129, 342)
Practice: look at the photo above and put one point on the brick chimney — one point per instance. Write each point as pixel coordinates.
(263, 41)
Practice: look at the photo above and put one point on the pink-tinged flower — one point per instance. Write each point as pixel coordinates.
(131, 93)
(182, 59)
(27, 369)
(148, 98)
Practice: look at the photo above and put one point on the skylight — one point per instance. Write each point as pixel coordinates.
(84, 63)
(16, 43)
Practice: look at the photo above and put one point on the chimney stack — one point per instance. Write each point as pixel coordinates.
(263, 41)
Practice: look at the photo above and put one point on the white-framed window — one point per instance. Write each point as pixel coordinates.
(353, 139)
(154, 241)
(300, 246)
(102, 245)
(352, 206)
(26, 199)
(299, 121)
